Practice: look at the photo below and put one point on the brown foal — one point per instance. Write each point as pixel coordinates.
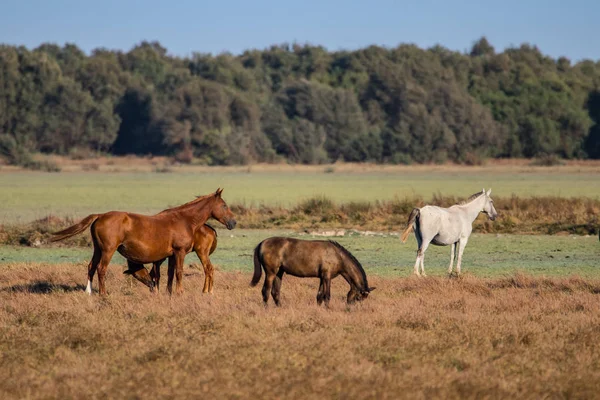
(205, 243)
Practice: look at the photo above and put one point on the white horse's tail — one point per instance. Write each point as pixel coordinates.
(414, 214)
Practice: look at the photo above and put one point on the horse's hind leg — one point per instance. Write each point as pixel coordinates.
(419, 252)
(423, 248)
(321, 293)
(269, 278)
(102, 267)
(92, 266)
(418, 262)
(276, 289)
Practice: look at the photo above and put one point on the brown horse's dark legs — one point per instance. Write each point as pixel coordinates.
(327, 290)
(269, 278)
(276, 289)
(155, 273)
(320, 293)
(170, 274)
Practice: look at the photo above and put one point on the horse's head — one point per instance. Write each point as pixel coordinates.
(488, 205)
(221, 211)
(355, 294)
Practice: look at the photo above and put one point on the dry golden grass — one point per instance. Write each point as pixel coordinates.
(515, 337)
(516, 215)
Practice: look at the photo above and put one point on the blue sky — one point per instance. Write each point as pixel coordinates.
(187, 26)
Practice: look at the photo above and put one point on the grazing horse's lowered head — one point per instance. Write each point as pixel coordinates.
(222, 213)
(355, 294)
(488, 206)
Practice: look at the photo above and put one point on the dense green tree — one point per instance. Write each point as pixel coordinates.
(301, 103)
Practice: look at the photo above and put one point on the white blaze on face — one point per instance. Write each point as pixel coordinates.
(88, 289)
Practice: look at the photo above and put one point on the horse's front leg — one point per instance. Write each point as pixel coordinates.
(171, 274)
(155, 273)
(179, 258)
(462, 243)
(452, 255)
(209, 270)
(326, 290)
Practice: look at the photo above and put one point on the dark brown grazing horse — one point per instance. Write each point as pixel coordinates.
(148, 239)
(205, 243)
(323, 259)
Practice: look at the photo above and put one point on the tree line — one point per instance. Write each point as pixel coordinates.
(300, 103)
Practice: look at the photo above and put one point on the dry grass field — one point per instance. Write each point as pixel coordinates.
(510, 337)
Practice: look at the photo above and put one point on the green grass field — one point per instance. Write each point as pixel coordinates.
(26, 196)
(384, 255)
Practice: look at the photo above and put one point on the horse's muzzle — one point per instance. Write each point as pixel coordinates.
(231, 224)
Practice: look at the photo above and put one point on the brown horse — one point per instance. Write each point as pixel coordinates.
(323, 259)
(205, 243)
(148, 239)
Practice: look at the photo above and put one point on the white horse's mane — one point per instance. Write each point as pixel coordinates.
(470, 198)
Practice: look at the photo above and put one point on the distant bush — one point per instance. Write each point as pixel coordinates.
(47, 166)
(162, 169)
(16, 154)
(317, 206)
(547, 160)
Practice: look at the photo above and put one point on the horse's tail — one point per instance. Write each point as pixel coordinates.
(414, 214)
(257, 265)
(75, 229)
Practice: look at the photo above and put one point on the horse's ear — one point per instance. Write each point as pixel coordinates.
(489, 192)
(372, 288)
(483, 190)
(218, 192)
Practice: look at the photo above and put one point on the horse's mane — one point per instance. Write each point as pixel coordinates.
(470, 198)
(189, 203)
(353, 259)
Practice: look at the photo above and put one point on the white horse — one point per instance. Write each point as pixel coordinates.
(447, 226)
